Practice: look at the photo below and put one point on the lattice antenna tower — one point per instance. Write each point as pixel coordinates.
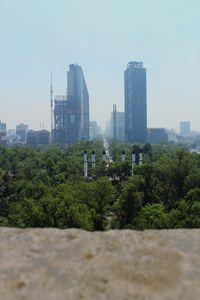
(114, 122)
(51, 104)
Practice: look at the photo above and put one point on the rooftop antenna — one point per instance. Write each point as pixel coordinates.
(51, 96)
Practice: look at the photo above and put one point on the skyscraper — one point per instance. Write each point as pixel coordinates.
(77, 106)
(135, 103)
(71, 113)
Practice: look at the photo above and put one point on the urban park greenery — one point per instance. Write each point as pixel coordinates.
(45, 187)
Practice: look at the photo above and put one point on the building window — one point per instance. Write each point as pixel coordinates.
(72, 118)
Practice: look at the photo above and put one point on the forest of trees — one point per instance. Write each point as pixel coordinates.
(45, 187)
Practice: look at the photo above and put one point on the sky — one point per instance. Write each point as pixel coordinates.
(40, 36)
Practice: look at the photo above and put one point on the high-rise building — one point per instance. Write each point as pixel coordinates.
(78, 105)
(21, 132)
(135, 103)
(185, 130)
(71, 114)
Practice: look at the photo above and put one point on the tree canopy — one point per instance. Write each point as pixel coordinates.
(45, 187)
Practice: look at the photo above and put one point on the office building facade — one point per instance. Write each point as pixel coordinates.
(117, 126)
(71, 114)
(185, 128)
(21, 132)
(135, 103)
(37, 138)
(3, 137)
(60, 119)
(157, 135)
(94, 130)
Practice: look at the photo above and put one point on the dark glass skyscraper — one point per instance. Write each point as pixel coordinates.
(135, 103)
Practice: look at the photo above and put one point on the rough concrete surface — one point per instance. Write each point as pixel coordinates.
(51, 264)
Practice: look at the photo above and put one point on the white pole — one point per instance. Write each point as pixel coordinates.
(133, 160)
(93, 160)
(140, 158)
(51, 99)
(104, 158)
(123, 156)
(85, 164)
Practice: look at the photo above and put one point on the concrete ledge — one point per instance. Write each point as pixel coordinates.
(51, 264)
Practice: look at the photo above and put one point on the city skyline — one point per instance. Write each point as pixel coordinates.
(38, 37)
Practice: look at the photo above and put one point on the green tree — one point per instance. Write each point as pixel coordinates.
(119, 170)
(130, 201)
(152, 216)
(98, 195)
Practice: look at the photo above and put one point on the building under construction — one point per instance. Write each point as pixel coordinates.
(71, 112)
(3, 138)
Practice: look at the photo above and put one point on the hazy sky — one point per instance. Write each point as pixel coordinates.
(37, 36)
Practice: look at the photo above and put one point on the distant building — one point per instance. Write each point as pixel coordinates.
(120, 126)
(60, 117)
(172, 135)
(12, 137)
(11, 132)
(3, 137)
(36, 138)
(71, 113)
(94, 130)
(185, 129)
(135, 103)
(157, 135)
(21, 132)
(78, 105)
(117, 129)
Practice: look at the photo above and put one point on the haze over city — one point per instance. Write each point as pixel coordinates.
(38, 37)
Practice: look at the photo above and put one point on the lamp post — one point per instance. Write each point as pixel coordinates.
(123, 156)
(104, 158)
(93, 159)
(85, 164)
(133, 160)
(140, 158)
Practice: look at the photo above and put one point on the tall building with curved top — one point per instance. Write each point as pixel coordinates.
(135, 103)
(71, 113)
(78, 105)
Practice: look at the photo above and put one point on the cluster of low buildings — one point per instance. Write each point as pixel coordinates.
(33, 138)
(23, 136)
